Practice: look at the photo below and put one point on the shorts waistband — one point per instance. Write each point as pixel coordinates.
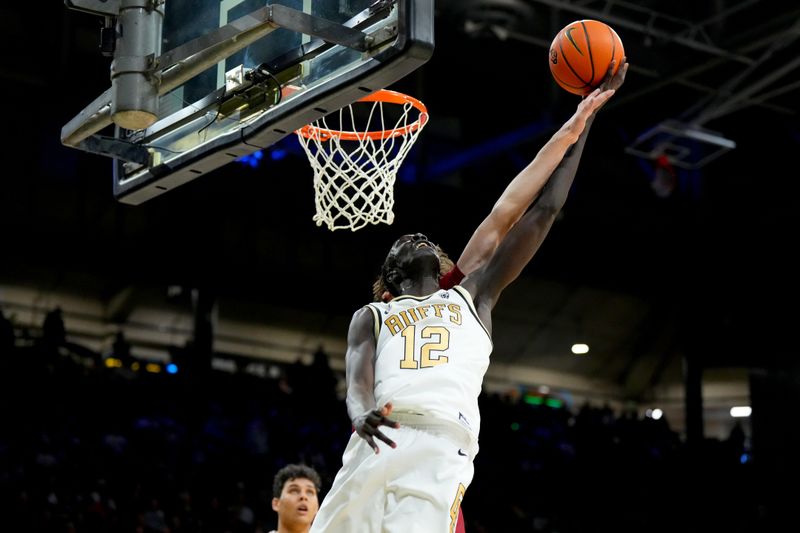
(460, 436)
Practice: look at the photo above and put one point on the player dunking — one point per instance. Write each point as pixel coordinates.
(421, 357)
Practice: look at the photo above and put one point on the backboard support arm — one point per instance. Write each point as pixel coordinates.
(187, 61)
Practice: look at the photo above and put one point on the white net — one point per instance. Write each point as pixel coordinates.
(356, 153)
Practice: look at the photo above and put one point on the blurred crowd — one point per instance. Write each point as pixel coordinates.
(88, 448)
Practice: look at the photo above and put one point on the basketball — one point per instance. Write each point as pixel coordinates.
(581, 53)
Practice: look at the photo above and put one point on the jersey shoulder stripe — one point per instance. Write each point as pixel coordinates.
(376, 320)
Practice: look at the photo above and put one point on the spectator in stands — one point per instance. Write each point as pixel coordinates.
(121, 349)
(323, 379)
(53, 331)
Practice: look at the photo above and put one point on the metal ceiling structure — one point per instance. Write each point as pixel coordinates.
(751, 65)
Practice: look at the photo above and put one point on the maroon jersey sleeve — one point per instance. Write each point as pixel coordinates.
(451, 279)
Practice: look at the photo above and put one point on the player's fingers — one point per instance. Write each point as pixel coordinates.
(585, 106)
(619, 78)
(384, 438)
(366, 434)
(600, 92)
(372, 444)
(603, 97)
(623, 70)
(374, 418)
(595, 101)
(386, 410)
(614, 79)
(610, 71)
(390, 423)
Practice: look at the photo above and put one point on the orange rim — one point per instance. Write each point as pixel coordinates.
(383, 95)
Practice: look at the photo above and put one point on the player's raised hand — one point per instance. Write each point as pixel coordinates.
(611, 83)
(573, 128)
(592, 102)
(368, 426)
(614, 80)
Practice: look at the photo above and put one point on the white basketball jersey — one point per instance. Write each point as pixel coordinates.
(431, 355)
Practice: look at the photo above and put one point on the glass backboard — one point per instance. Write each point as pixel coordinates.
(236, 76)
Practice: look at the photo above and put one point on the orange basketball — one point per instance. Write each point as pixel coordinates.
(580, 55)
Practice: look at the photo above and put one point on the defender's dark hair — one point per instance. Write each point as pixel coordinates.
(294, 471)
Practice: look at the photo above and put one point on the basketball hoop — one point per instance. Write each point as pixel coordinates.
(356, 159)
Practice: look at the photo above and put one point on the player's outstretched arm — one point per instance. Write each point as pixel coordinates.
(360, 370)
(525, 238)
(527, 185)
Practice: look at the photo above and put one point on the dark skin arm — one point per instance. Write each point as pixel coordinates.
(525, 238)
(360, 370)
(527, 185)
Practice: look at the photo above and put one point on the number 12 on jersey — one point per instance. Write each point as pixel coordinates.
(433, 341)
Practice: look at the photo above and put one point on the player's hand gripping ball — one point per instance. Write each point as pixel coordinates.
(581, 53)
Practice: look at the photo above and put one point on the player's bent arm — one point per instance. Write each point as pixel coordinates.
(360, 364)
(367, 418)
(526, 186)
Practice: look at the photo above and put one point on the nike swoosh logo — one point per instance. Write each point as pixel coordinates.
(569, 36)
(462, 452)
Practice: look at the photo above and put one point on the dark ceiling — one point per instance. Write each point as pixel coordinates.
(706, 267)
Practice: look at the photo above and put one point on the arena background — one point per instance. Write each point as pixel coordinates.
(683, 284)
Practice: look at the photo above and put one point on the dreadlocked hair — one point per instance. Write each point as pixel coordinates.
(379, 286)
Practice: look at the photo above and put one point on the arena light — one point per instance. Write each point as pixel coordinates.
(744, 458)
(742, 411)
(580, 349)
(555, 403)
(531, 399)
